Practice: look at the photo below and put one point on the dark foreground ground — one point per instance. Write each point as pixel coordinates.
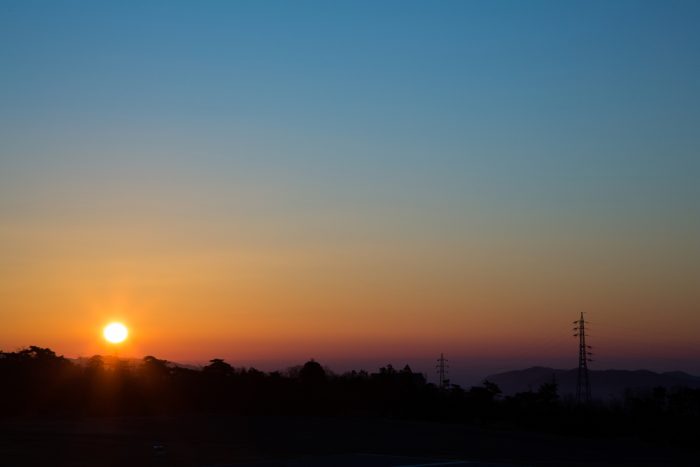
(304, 441)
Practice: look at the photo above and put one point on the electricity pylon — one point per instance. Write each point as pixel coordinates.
(583, 384)
(442, 367)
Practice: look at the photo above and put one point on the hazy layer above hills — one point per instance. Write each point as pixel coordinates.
(605, 384)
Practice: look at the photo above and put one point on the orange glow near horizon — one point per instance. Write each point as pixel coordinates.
(390, 293)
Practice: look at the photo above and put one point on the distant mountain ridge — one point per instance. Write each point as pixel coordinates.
(605, 384)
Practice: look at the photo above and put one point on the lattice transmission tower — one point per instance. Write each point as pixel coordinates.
(442, 369)
(583, 384)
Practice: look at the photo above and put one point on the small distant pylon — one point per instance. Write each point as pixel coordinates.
(442, 369)
(583, 384)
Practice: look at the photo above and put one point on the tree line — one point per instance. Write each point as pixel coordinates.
(36, 382)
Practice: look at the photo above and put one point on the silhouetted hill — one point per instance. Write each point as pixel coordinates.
(111, 361)
(605, 384)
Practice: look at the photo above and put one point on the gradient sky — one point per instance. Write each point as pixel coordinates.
(358, 182)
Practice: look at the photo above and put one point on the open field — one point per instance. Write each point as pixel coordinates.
(303, 441)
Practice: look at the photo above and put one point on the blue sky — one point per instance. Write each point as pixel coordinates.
(552, 92)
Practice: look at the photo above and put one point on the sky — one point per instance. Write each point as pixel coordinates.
(355, 182)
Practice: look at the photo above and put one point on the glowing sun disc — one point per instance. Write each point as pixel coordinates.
(115, 333)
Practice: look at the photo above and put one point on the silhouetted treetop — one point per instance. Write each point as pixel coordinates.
(218, 366)
(312, 373)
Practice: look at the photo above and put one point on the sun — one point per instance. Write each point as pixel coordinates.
(115, 333)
